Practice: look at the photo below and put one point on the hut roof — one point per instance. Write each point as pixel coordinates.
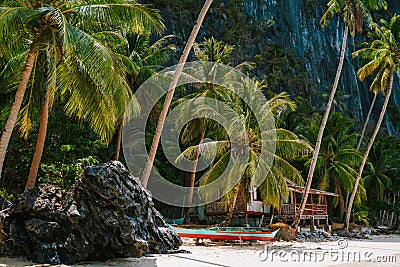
(301, 189)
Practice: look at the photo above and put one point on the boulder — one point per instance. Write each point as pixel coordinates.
(344, 233)
(106, 214)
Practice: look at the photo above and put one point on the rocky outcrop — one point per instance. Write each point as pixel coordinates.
(297, 27)
(106, 214)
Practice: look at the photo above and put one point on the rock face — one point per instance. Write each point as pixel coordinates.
(106, 214)
(297, 26)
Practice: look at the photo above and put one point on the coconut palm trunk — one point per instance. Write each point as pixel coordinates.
(119, 139)
(321, 131)
(170, 94)
(44, 118)
(231, 207)
(193, 176)
(366, 121)
(19, 97)
(364, 160)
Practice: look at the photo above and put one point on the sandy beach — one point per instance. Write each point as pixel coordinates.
(377, 251)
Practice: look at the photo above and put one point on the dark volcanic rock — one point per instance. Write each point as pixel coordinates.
(106, 214)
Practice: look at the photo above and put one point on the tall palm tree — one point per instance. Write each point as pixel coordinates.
(353, 12)
(375, 90)
(338, 159)
(77, 65)
(273, 189)
(209, 50)
(170, 94)
(383, 55)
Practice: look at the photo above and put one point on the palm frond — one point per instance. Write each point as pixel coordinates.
(334, 7)
(220, 178)
(288, 170)
(12, 29)
(136, 17)
(9, 75)
(207, 149)
(274, 188)
(288, 144)
(98, 92)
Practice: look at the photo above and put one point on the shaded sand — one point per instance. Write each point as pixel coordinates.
(378, 251)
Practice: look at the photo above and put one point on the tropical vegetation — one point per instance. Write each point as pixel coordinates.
(69, 69)
(64, 60)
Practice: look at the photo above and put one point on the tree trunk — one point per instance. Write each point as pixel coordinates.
(19, 97)
(44, 118)
(119, 138)
(321, 131)
(392, 215)
(364, 160)
(231, 207)
(347, 200)
(193, 176)
(366, 121)
(168, 99)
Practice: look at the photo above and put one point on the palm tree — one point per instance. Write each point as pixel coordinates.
(170, 94)
(353, 14)
(141, 58)
(76, 64)
(273, 189)
(383, 55)
(338, 158)
(209, 50)
(376, 90)
(381, 178)
(382, 160)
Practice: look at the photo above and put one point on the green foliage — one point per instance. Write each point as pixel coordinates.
(353, 12)
(65, 175)
(381, 175)
(338, 104)
(282, 69)
(361, 217)
(381, 54)
(274, 188)
(4, 193)
(66, 142)
(70, 62)
(337, 163)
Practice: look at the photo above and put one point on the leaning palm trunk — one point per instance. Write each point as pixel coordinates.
(366, 121)
(168, 99)
(321, 131)
(19, 97)
(44, 118)
(231, 207)
(193, 177)
(364, 160)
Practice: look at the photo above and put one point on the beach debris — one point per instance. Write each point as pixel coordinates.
(286, 233)
(106, 214)
(324, 233)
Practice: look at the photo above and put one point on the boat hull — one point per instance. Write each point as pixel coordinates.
(213, 234)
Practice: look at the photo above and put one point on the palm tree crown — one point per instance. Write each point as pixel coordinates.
(63, 57)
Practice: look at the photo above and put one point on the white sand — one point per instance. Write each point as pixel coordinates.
(378, 251)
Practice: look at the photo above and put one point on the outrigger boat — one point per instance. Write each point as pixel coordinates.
(227, 233)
